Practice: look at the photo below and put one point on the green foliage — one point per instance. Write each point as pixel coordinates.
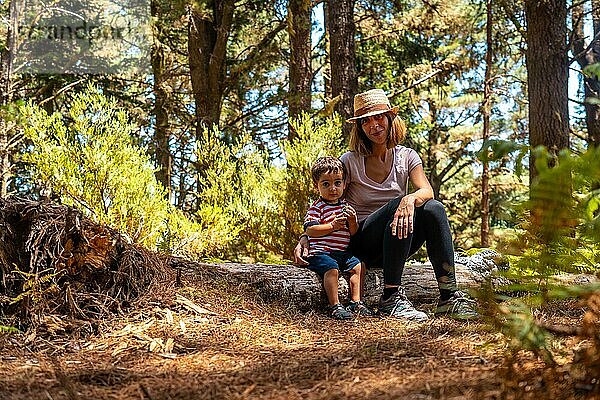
(260, 212)
(386, 60)
(229, 180)
(561, 230)
(312, 141)
(8, 329)
(89, 160)
(496, 149)
(203, 235)
(515, 317)
(560, 233)
(263, 202)
(246, 204)
(255, 82)
(593, 71)
(520, 325)
(36, 285)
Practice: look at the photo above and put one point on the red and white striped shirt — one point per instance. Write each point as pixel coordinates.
(321, 212)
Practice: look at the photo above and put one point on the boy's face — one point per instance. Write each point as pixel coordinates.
(331, 186)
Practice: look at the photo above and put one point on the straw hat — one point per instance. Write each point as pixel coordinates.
(371, 102)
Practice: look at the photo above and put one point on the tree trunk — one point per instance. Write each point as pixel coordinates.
(327, 62)
(584, 58)
(433, 138)
(299, 28)
(7, 57)
(344, 80)
(486, 111)
(161, 147)
(547, 76)
(5, 167)
(593, 120)
(207, 48)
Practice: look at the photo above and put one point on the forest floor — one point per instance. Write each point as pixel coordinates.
(214, 340)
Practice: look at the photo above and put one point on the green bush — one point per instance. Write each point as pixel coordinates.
(264, 202)
(227, 178)
(561, 223)
(560, 233)
(247, 205)
(89, 160)
(312, 141)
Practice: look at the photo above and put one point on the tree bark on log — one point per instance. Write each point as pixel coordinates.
(290, 284)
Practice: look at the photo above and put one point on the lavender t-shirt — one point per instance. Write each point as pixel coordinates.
(366, 195)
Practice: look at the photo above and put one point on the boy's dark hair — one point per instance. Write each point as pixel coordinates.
(325, 165)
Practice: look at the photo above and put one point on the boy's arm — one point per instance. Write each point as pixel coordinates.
(352, 225)
(319, 230)
(312, 225)
(352, 219)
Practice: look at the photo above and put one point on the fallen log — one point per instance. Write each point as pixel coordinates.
(289, 284)
(302, 287)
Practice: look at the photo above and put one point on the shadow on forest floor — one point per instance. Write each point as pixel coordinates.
(214, 340)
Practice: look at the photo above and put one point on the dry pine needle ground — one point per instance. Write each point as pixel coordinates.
(210, 339)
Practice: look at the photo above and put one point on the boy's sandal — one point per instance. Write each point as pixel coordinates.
(338, 311)
(360, 308)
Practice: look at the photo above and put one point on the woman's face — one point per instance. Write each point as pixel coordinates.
(376, 128)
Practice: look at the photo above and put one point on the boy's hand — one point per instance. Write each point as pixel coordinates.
(339, 222)
(351, 215)
(349, 212)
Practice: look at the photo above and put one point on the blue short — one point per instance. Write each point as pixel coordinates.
(340, 260)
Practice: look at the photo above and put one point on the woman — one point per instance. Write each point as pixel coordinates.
(393, 224)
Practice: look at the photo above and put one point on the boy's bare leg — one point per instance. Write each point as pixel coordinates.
(356, 283)
(330, 282)
(363, 274)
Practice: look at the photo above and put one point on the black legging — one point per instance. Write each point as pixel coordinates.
(375, 245)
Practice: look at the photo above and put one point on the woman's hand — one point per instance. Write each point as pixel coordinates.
(301, 251)
(402, 223)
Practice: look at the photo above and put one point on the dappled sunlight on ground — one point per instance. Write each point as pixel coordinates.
(210, 341)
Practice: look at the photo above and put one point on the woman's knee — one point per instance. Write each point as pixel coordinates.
(435, 208)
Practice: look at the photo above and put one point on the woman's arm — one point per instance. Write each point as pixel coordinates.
(423, 191)
(402, 224)
(301, 251)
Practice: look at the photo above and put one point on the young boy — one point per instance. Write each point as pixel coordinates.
(329, 223)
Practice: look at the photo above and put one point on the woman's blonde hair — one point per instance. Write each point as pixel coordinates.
(360, 143)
